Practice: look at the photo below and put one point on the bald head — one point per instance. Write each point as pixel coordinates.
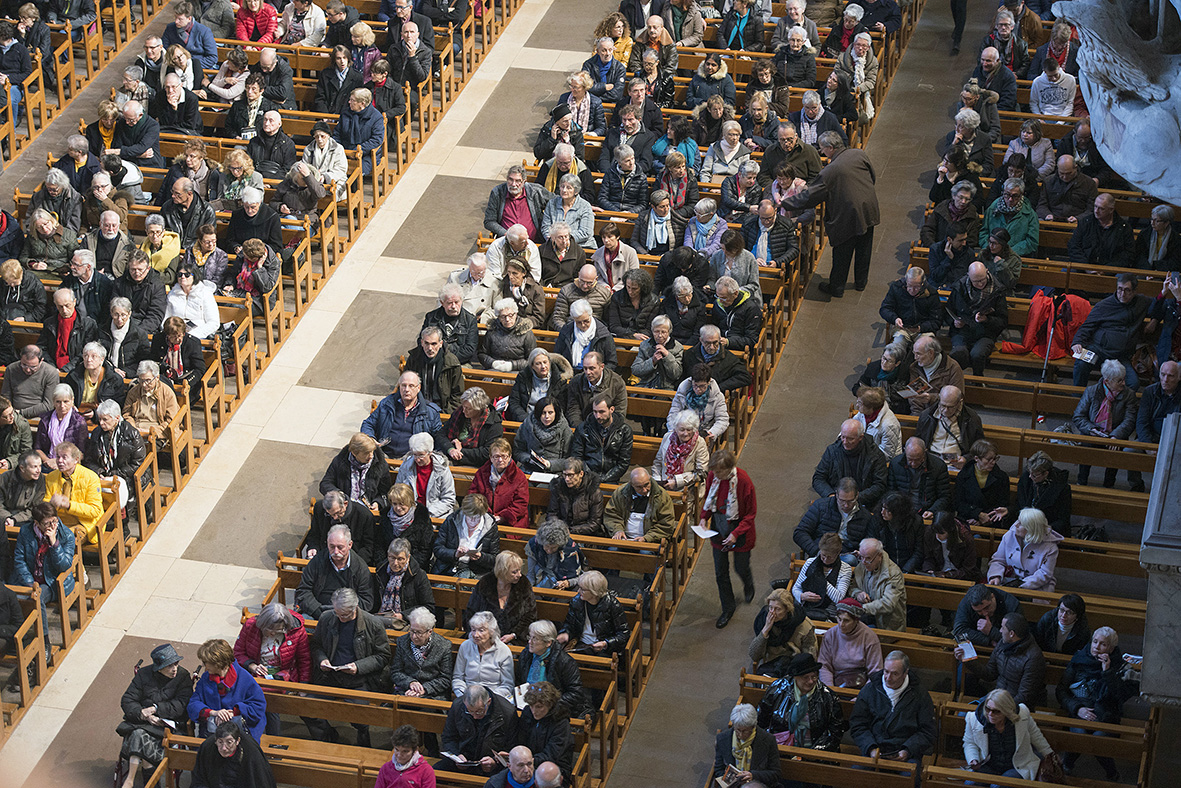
(851, 434)
(1170, 376)
(951, 397)
(916, 452)
(548, 775)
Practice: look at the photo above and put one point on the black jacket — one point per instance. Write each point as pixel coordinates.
(12, 239)
(624, 320)
(923, 310)
(338, 32)
(185, 118)
(737, 206)
(543, 147)
(371, 651)
(415, 591)
(433, 672)
(824, 712)
(621, 192)
(740, 323)
(518, 613)
(264, 225)
(134, 141)
(641, 143)
(93, 298)
(16, 63)
(332, 96)
(518, 398)
(442, 377)
(727, 369)
(360, 522)
(1111, 328)
(85, 330)
(602, 343)
(1020, 668)
(607, 619)
(320, 578)
(560, 670)
(823, 517)
(1051, 496)
(239, 115)
(1045, 632)
(447, 541)
(252, 770)
(135, 348)
(127, 444)
(549, 739)
(185, 223)
(580, 508)
(273, 156)
(903, 544)
(460, 334)
(971, 499)
(1085, 684)
(994, 307)
(377, 481)
(909, 725)
(475, 739)
(971, 428)
(866, 465)
(192, 360)
(929, 487)
(607, 452)
(111, 387)
(667, 270)
(148, 687)
(1091, 243)
(764, 759)
(782, 245)
(412, 71)
(390, 99)
(685, 326)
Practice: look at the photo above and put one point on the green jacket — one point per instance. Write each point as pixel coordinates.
(15, 440)
(659, 520)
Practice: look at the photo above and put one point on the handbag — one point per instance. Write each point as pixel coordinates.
(1050, 770)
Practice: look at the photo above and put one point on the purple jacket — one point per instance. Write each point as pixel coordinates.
(75, 433)
(1034, 564)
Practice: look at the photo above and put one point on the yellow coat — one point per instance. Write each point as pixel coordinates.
(86, 500)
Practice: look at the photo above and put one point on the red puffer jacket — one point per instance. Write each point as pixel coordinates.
(510, 501)
(295, 657)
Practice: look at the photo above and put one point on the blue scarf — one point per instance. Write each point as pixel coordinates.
(701, 232)
(697, 402)
(738, 30)
(537, 667)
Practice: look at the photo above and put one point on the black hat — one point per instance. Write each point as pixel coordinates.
(802, 664)
(560, 111)
(163, 656)
(323, 126)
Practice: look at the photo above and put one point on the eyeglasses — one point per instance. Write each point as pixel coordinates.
(414, 631)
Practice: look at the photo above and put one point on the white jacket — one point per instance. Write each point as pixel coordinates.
(1031, 744)
(716, 417)
(885, 431)
(315, 25)
(493, 669)
(495, 258)
(440, 487)
(198, 309)
(331, 163)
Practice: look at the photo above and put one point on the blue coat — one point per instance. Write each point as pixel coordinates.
(365, 128)
(58, 560)
(389, 423)
(245, 694)
(200, 45)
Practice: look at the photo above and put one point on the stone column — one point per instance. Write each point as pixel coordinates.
(1160, 555)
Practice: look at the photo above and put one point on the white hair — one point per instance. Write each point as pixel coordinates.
(579, 308)
(420, 442)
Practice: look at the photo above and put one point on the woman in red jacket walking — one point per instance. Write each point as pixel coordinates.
(729, 508)
(504, 485)
(274, 645)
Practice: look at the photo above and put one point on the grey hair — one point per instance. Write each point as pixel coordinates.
(431, 330)
(476, 397)
(705, 206)
(1164, 212)
(964, 186)
(605, 40)
(399, 547)
(516, 232)
(553, 533)
(476, 694)
(76, 142)
(749, 167)
(579, 308)
(121, 302)
(891, 351)
(830, 139)
(505, 305)
(274, 615)
(855, 11)
(420, 442)
(96, 348)
(968, 117)
(726, 283)
(622, 152)
(485, 619)
(800, 31)
(915, 274)
(709, 329)
(863, 37)
(1109, 635)
(650, 54)
(538, 351)
(153, 220)
(56, 177)
(62, 390)
(898, 656)
(345, 599)
(516, 169)
(811, 97)
(662, 320)
(150, 367)
(570, 179)
(731, 124)
(251, 195)
(682, 285)
(334, 498)
(1113, 370)
(135, 72)
(559, 227)
(544, 629)
(108, 407)
(450, 289)
(744, 716)
(340, 529)
(422, 615)
(85, 255)
(684, 418)
(101, 179)
(1004, 14)
(800, 4)
(1015, 183)
(564, 149)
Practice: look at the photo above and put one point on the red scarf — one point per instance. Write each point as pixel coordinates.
(1103, 417)
(225, 683)
(675, 454)
(65, 326)
(246, 276)
(676, 189)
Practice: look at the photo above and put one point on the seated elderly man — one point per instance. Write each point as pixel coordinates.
(516, 201)
(402, 414)
(586, 287)
(521, 763)
(893, 716)
(134, 87)
(1108, 409)
(29, 385)
(640, 510)
(737, 314)
(437, 368)
(23, 488)
(604, 441)
(176, 107)
(949, 427)
(922, 476)
(1111, 331)
(564, 162)
(109, 246)
(458, 324)
(142, 286)
(514, 245)
(48, 244)
(594, 379)
(608, 73)
(931, 370)
(1065, 197)
(1157, 402)
(65, 332)
(478, 285)
(585, 334)
(338, 566)
(725, 367)
(879, 586)
(771, 238)
(840, 514)
(44, 552)
(980, 612)
(479, 725)
(57, 196)
(979, 313)
(625, 184)
(361, 125)
(79, 164)
(74, 491)
(350, 649)
(277, 73)
(186, 212)
(911, 308)
(1102, 236)
(852, 456)
(335, 508)
(16, 437)
(1013, 212)
(137, 137)
(561, 258)
(410, 59)
(150, 406)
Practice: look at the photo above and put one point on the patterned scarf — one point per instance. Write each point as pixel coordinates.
(743, 751)
(1103, 417)
(675, 454)
(676, 188)
(357, 474)
(731, 492)
(580, 110)
(400, 524)
(391, 596)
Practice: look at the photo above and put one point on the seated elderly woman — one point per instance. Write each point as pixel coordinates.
(541, 660)
(679, 182)
(890, 374)
(545, 375)
(504, 485)
(300, 193)
(554, 560)
(467, 436)
(22, 296)
(252, 219)
(149, 406)
(274, 645)
(726, 155)
(421, 665)
(586, 107)
(1027, 554)
(509, 340)
(483, 658)
(180, 355)
(543, 440)
(48, 245)
(1046, 487)
(523, 289)
(63, 423)
(115, 448)
(360, 471)
(225, 693)
(59, 198)
(157, 693)
(823, 580)
(682, 461)
(428, 476)
(782, 630)
(742, 192)
(751, 750)
(880, 424)
(733, 260)
(985, 732)
(595, 623)
(583, 334)
(699, 393)
(568, 206)
(1094, 688)
(401, 585)
(192, 304)
(658, 358)
(468, 540)
(704, 231)
(238, 173)
(408, 519)
(684, 308)
(257, 275)
(95, 379)
(162, 248)
(631, 308)
(229, 758)
(817, 724)
(126, 341)
(850, 652)
(506, 593)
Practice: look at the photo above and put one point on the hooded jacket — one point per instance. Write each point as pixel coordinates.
(440, 486)
(740, 323)
(704, 85)
(1020, 668)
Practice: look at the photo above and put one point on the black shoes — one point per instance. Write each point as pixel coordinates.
(955, 48)
(749, 594)
(724, 619)
(827, 289)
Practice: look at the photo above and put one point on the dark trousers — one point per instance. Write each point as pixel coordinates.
(857, 250)
(722, 575)
(959, 14)
(975, 354)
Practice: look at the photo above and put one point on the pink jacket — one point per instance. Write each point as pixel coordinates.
(1034, 565)
(420, 775)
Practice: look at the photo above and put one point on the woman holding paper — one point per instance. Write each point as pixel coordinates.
(729, 509)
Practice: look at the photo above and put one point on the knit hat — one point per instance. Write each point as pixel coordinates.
(323, 126)
(163, 656)
(851, 606)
